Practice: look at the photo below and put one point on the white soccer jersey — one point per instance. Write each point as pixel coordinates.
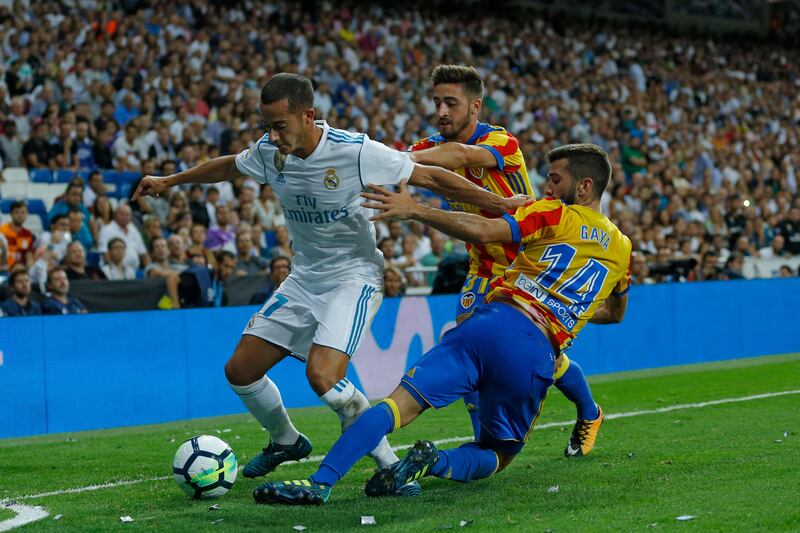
(320, 195)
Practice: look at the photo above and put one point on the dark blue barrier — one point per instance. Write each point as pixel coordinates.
(70, 373)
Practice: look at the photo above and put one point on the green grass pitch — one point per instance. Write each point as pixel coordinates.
(733, 466)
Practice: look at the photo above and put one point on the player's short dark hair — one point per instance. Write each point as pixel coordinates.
(17, 204)
(584, 161)
(295, 88)
(467, 77)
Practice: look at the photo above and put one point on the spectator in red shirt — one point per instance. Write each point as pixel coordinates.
(20, 239)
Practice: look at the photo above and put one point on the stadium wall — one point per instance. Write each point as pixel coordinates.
(79, 372)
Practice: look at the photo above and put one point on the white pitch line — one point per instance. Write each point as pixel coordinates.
(318, 458)
(25, 515)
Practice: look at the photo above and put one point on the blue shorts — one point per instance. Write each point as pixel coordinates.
(472, 294)
(502, 355)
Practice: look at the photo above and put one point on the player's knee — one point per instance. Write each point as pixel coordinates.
(321, 378)
(503, 460)
(232, 373)
(238, 374)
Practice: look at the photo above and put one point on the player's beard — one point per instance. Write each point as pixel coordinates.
(456, 128)
(571, 196)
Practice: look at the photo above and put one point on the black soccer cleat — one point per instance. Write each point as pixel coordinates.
(275, 454)
(400, 478)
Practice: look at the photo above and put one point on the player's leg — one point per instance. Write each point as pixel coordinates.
(326, 369)
(472, 294)
(367, 431)
(283, 322)
(345, 314)
(516, 371)
(571, 381)
(394, 412)
(438, 379)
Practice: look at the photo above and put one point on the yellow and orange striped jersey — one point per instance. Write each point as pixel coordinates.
(510, 177)
(570, 260)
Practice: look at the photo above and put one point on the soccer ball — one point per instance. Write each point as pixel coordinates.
(205, 467)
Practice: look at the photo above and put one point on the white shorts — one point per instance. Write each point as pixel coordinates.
(301, 313)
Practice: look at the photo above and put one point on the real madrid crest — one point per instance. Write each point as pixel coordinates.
(331, 179)
(280, 161)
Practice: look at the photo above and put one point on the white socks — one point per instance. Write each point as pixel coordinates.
(348, 403)
(263, 400)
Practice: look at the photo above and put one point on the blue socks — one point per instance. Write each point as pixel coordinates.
(465, 463)
(472, 402)
(574, 386)
(356, 442)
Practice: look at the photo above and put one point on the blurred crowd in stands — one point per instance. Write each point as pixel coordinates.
(703, 132)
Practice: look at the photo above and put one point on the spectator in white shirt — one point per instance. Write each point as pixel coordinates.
(776, 249)
(125, 154)
(136, 253)
(116, 269)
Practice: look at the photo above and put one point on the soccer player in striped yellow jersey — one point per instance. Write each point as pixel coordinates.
(487, 155)
(573, 267)
(490, 156)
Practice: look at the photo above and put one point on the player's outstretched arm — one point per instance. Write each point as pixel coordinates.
(464, 226)
(450, 184)
(212, 171)
(455, 155)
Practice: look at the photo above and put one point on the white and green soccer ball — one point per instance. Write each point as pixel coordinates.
(205, 467)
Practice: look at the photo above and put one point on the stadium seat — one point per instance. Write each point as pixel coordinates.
(93, 259)
(41, 175)
(124, 191)
(35, 224)
(37, 207)
(270, 239)
(111, 176)
(46, 192)
(63, 175)
(129, 177)
(14, 190)
(15, 175)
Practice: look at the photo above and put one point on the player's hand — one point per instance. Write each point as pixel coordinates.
(518, 200)
(150, 186)
(395, 205)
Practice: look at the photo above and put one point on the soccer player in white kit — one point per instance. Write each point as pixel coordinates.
(322, 310)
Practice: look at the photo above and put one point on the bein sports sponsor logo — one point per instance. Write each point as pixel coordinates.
(529, 286)
(566, 314)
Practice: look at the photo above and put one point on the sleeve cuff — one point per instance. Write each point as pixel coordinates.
(516, 234)
(238, 166)
(496, 153)
(622, 293)
(408, 167)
